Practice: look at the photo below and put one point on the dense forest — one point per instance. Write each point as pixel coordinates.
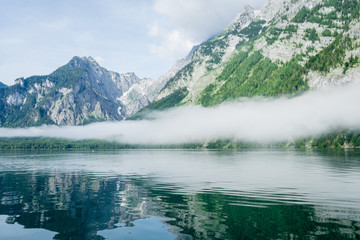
(336, 139)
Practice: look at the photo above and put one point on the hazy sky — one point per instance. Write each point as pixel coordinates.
(141, 36)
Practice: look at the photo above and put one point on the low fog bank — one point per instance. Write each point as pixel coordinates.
(253, 120)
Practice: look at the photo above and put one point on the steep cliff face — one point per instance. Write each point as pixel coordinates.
(287, 47)
(77, 93)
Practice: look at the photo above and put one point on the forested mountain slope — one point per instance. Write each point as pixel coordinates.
(287, 47)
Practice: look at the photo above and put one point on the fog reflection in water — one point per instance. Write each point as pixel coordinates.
(182, 194)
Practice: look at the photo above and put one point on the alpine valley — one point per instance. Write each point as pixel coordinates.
(254, 135)
(287, 47)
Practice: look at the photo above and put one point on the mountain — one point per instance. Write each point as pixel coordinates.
(2, 85)
(77, 93)
(287, 47)
(143, 93)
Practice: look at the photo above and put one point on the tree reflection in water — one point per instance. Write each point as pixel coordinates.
(79, 205)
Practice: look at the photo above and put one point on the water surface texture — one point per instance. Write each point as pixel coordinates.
(180, 194)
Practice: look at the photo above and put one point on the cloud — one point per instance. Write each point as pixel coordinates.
(261, 120)
(200, 19)
(183, 24)
(172, 44)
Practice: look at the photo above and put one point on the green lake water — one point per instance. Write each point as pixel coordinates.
(180, 194)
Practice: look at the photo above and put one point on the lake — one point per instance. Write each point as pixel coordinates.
(180, 194)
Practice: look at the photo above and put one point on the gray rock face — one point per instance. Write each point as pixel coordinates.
(245, 16)
(77, 93)
(197, 69)
(2, 85)
(143, 92)
(282, 32)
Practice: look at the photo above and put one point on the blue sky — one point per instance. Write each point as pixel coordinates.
(141, 36)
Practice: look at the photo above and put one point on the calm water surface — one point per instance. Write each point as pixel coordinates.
(179, 194)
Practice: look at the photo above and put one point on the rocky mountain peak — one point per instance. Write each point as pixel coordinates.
(244, 17)
(247, 8)
(84, 62)
(92, 60)
(131, 75)
(286, 47)
(78, 92)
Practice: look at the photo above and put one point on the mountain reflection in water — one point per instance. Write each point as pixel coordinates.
(182, 194)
